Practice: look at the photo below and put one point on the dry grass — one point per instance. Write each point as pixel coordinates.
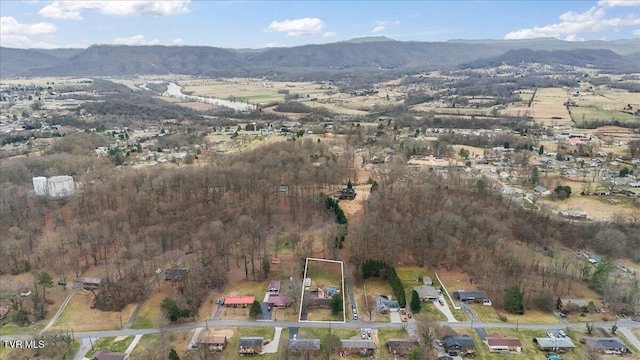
(151, 315)
(374, 287)
(548, 108)
(79, 316)
(594, 206)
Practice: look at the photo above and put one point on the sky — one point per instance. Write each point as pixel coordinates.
(260, 24)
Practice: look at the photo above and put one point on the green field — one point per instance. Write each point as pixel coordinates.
(587, 114)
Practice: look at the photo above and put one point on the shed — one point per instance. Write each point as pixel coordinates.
(427, 280)
(251, 345)
(426, 292)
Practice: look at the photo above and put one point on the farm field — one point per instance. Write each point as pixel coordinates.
(594, 207)
(548, 107)
(580, 114)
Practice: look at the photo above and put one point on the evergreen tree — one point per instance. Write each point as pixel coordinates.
(416, 304)
(349, 185)
(173, 355)
(336, 304)
(541, 150)
(513, 300)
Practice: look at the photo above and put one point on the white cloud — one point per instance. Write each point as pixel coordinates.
(380, 25)
(271, 45)
(636, 32)
(297, 27)
(574, 37)
(613, 3)
(177, 41)
(571, 24)
(72, 10)
(10, 26)
(329, 34)
(135, 40)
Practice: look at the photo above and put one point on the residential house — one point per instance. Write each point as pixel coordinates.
(426, 292)
(89, 283)
(558, 345)
(459, 345)
(477, 296)
(362, 347)
(274, 287)
(574, 304)
(608, 345)
(500, 343)
(400, 347)
(279, 301)
(239, 301)
(251, 345)
(212, 342)
(304, 346)
(384, 304)
(175, 274)
(108, 355)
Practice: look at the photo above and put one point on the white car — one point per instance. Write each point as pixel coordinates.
(562, 333)
(550, 334)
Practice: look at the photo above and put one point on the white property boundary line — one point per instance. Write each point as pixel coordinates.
(445, 290)
(342, 290)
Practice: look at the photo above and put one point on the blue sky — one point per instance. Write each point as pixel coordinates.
(258, 24)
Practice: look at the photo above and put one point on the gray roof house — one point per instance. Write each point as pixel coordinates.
(384, 304)
(555, 344)
(302, 346)
(426, 292)
(427, 280)
(608, 345)
(459, 344)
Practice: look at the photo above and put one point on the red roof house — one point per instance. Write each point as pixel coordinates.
(239, 301)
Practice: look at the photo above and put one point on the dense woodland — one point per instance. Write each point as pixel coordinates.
(459, 224)
(224, 213)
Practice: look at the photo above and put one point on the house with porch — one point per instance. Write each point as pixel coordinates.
(401, 347)
(607, 345)
(459, 345)
(304, 346)
(500, 343)
(357, 346)
(274, 287)
(239, 301)
(250, 345)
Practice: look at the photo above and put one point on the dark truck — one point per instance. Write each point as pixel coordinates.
(347, 194)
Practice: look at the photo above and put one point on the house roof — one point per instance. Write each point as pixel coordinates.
(402, 343)
(274, 284)
(462, 341)
(426, 291)
(357, 344)
(549, 343)
(239, 300)
(176, 271)
(107, 355)
(304, 344)
(427, 280)
(462, 294)
(383, 303)
(606, 343)
(499, 340)
(4, 310)
(250, 341)
(576, 302)
(90, 280)
(212, 339)
(279, 300)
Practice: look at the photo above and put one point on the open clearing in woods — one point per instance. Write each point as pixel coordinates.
(79, 316)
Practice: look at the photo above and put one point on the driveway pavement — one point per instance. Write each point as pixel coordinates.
(395, 317)
(445, 309)
(272, 347)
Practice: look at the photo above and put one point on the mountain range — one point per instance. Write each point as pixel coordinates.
(363, 54)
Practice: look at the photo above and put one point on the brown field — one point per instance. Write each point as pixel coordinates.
(547, 107)
(594, 206)
(79, 316)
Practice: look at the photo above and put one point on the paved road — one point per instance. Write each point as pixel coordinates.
(349, 287)
(85, 345)
(630, 336)
(335, 325)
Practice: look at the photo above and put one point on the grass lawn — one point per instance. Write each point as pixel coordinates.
(385, 334)
(429, 310)
(157, 346)
(324, 315)
(59, 352)
(321, 333)
(590, 113)
(324, 274)
(79, 316)
(373, 287)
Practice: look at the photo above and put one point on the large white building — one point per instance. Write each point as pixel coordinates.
(55, 187)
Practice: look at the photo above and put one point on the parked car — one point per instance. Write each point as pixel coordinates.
(355, 316)
(441, 302)
(62, 282)
(550, 334)
(562, 333)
